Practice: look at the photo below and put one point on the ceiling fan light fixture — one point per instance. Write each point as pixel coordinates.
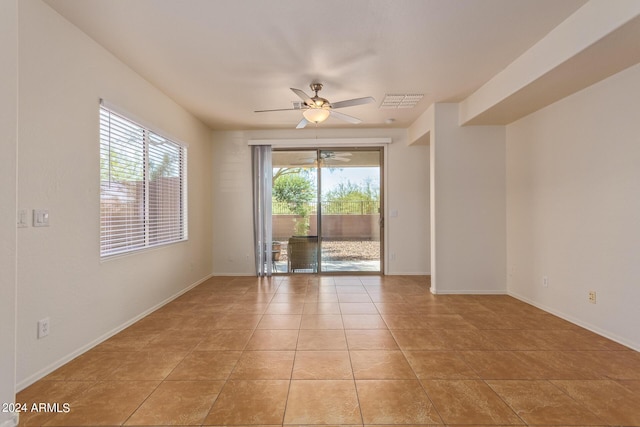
(316, 115)
(317, 109)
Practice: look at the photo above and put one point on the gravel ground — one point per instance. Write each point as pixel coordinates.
(345, 251)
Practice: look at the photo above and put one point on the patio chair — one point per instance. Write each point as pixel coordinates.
(302, 253)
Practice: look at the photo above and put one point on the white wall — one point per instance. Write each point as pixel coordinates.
(573, 207)
(63, 74)
(8, 147)
(232, 204)
(408, 234)
(407, 175)
(468, 205)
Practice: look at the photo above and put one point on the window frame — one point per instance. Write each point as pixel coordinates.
(150, 136)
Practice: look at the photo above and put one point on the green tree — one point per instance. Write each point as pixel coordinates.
(278, 172)
(297, 191)
(167, 167)
(116, 167)
(350, 198)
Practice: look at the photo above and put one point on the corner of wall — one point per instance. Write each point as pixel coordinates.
(468, 205)
(573, 207)
(8, 206)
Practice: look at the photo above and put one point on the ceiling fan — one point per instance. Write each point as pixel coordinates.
(317, 109)
(325, 156)
(340, 156)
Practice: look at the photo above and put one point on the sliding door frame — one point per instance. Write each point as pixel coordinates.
(381, 224)
(382, 153)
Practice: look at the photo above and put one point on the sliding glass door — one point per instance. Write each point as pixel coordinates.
(327, 206)
(350, 226)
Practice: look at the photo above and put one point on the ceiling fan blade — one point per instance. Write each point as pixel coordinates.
(277, 109)
(345, 117)
(353, 102)
(335, 154)
(302, 123)
(306, 98)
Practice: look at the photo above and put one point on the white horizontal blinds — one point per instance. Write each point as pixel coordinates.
(122, 192)
(142, 186)
(166, 171)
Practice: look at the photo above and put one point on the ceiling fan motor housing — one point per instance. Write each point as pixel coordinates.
(318, 101)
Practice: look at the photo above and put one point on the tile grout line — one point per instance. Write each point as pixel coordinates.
(554, 340)
(226, 381)
(353, 375)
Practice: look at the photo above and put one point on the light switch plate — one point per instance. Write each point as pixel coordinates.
(22, 221)
(41, 217)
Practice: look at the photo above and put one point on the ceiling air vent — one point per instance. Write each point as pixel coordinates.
(400, 100)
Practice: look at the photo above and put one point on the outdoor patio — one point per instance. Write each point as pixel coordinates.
(342, 256)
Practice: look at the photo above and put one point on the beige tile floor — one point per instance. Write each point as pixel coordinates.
(309, 350)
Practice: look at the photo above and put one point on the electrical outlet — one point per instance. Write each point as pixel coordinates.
(592, 297)
(545, 282)
(43, 327)
(392, 256)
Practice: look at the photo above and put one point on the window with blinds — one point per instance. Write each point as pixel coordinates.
(142, 187)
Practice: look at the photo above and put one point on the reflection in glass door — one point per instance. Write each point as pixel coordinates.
(326, 211)
(350, 194)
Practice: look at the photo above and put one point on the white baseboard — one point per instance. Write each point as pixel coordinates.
(234, 275)
(407, 273)
(470, 292)
(13, 420)
(607, 334)
(58, 363)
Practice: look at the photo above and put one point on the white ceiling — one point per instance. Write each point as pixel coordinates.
(223, 59)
